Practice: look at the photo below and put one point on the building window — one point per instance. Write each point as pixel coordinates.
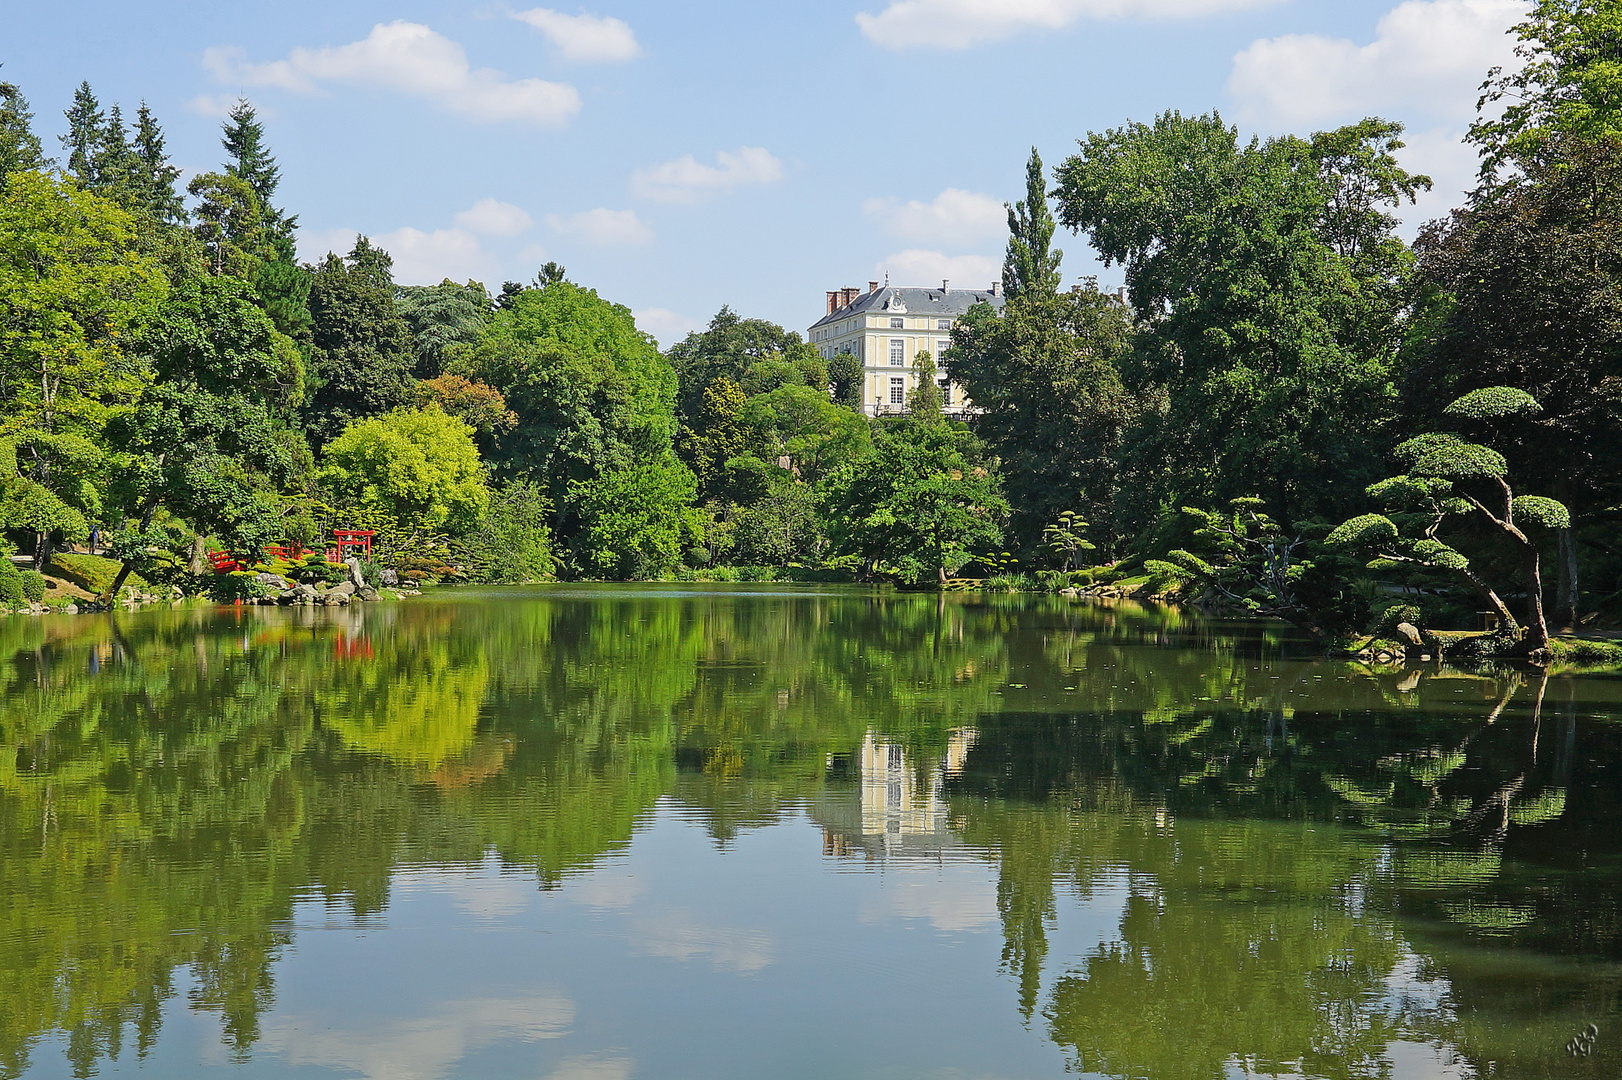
(943, 324)
(898, 391)
(898, 352)
(896, 324)
(941, 347)
(946, 391)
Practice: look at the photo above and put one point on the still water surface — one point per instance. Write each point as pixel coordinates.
(670, 832)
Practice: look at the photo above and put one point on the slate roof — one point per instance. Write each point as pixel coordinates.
(928, 302)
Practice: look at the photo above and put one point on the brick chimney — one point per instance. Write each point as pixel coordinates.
(833, 301)
(994, 288)
(848, 295)
(872, 287)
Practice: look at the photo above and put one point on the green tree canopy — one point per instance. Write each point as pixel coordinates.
(638, 522)
(20, 148)
(442, 317)
(591, 391)
(363, 356)
(1031, 264)
(418, 466)
(1266, 280)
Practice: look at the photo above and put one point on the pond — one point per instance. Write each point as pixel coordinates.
(596, 833)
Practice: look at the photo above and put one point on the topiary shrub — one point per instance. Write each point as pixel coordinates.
(1386, 624)
(33, 585)
(11, 583)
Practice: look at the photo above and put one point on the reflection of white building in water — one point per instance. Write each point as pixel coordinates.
(899, 809)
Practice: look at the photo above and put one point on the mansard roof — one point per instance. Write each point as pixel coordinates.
(904, 301)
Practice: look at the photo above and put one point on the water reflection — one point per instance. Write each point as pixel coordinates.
(1194, 853)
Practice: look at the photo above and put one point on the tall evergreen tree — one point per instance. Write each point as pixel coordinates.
(83, 140)
(115, 169)
(251, 161)
(19, 146)
(1031, 265)
(157, 176)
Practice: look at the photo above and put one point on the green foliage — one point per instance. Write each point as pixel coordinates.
(230, 223)
(779, 528)
(1031, 265)
(363, 357)
(235, 585)
(919, 502)
(1267, 281)
(442, 318)
(1064, 538)
(211, 334)
(1044, 376)
(1461, 461)
(637, 523)
(845, 375)
(1494, 403)
(419, 466)
(1566, 85)
(592, 393)
(1367, 529)
(20, 149)
(715, 438)
(801, 424)
(513, 544)
(727, 348)
(92, 573)
(1543, 512)
(251, 162)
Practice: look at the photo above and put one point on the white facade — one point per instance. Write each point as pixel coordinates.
(886, 327)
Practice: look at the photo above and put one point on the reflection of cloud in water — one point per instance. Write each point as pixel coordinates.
(593, 1068)
(678, 936)
(953, 898)
(605, 888)
(425, 1048)
(483, 891)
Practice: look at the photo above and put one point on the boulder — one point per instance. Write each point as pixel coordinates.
(368, 593)
(275, 581)
(343, 592)
(1411, 632)
(304, 594)
(389, 578)
(356, 578)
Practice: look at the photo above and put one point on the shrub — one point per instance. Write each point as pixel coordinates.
(236, 585)
(11, 582)
(1400, 612)
(33, 585)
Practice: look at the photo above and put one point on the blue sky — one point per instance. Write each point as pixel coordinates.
(677, 156)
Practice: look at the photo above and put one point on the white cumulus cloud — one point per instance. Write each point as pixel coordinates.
(918, 268)
(667, 327)
(685, 180)
(585, 39)
(958, 24)
(603, 227)
(1427, 57)
(407, 58)
(427, 257)
(493, 217)
(954, 217)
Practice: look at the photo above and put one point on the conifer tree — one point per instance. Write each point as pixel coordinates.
(83, 140)
(19, 146)
(1031, 265)
(252, 162)
(157, 176)
(114, 167)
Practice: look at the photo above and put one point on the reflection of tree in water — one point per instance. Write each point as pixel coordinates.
(169, 784)
(1248, 940)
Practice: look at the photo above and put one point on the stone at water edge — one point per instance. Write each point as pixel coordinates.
(389, 578)
(1411, 632)
(356, 578)
(346, 590)
(368, 593)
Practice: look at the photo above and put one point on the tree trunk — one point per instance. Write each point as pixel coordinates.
(199, 557)
(42, 549)
(1507, 619)
(1537, 629)
(129, 563)
(1566, 595)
